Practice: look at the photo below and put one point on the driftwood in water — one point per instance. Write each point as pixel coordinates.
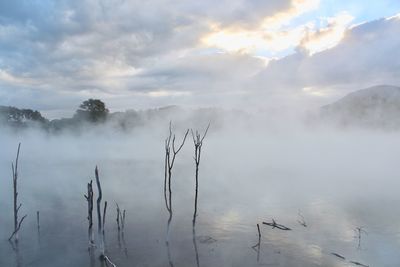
(352, 262)
(17, 223)
(339, 256)
(277, 225)
(198, 143)
(108, 261)
(89, 199)
(358, 263)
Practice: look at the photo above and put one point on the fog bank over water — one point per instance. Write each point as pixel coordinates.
(249, 173)
(199, 133)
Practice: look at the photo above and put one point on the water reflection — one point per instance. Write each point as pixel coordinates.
(15, 247)
(92, 256)
(195, 244)
(234, 194)
(257, 247)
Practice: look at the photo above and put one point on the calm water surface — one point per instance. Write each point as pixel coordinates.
(334, 183)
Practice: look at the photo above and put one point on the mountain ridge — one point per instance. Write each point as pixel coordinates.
(376, 106)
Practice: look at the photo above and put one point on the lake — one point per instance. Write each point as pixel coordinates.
(338, 192)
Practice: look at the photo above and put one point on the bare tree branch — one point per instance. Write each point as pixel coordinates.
(277, 225)
(198, 143)
(17, 223)
(169, 164)
(98, 200)
(18, 227)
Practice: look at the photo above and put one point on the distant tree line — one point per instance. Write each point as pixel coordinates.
(94, 112)
(21, 117)
(90, 111)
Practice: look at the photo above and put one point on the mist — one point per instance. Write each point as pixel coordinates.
(336, 179)
(199, 133)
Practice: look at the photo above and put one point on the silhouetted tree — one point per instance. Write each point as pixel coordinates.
(21, 117)
(93, 110)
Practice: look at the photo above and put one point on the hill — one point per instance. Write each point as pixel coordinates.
(374, 107)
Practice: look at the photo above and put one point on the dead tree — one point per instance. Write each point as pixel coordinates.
(359, 231)
(123, 220)
(17, 223)
(104, 216)
(101, 221)
(89, 199)
(38, 225)
(196, 251)
(118, 217)
(103, 234)
(38, 220)
(99, 197)
(257, 246)
(198, 143)
(121, 226)
(170, 155)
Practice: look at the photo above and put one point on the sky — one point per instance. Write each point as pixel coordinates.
(244, 54)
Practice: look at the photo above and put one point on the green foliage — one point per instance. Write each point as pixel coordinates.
(21, 117)
(93, 110)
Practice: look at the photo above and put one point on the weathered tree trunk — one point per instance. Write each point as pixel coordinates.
(89, 198)
(170, 155)
(99, 220)
(198, 143)
(17, 223)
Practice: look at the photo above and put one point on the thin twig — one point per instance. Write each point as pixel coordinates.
(18, 227)
(277, 225)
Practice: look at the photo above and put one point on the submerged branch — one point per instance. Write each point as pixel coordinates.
(277, 225)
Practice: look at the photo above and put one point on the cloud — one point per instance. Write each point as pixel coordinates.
(366, 56)
(329, 36)
(54, 54)
(72, 45)
(268, 34)
(275, 34)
